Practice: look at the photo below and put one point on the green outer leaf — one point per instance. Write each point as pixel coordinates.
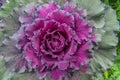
(94, 7)
(115, 4)
(2, 67)
(98, 22)
(109, 40)
(114, 70)
(105, 51)
(111, 22)
(80, 76)
(23, 76)
(11, 4)
(5, 74)
(1, 35)
(11, 25)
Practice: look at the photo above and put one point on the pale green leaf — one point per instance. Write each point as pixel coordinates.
(11, 4)
(109, 39)
(94, 7)
(24, 76)
(3, 70)
(111, 22)
(98, 21)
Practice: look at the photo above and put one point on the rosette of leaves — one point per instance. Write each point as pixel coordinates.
(101, 56)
